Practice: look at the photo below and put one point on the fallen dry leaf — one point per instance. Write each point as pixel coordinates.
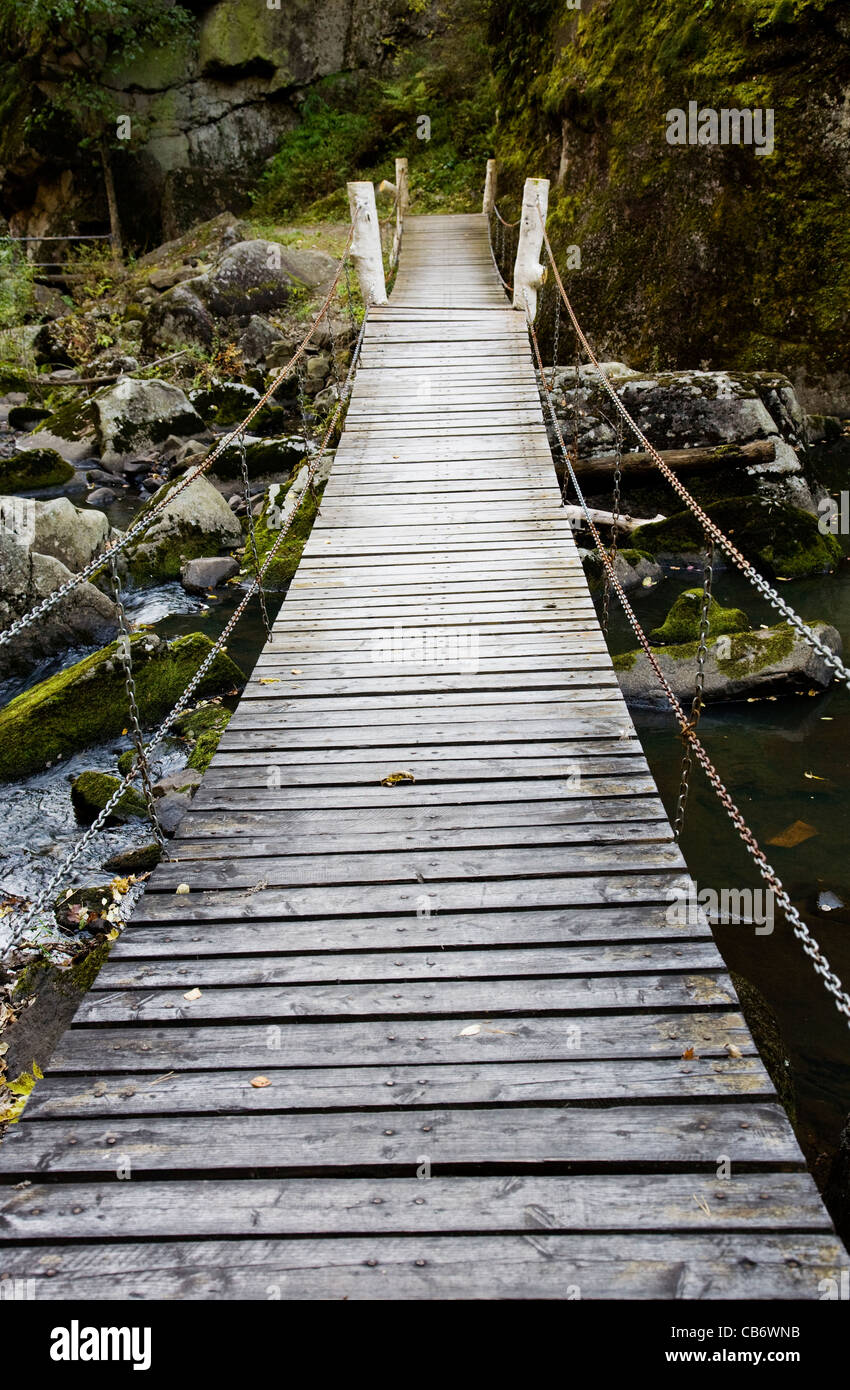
(258, 1082)
(470, 1031)
(795, 834)
(192, 994)
(733, 1050)
(395, 778)
(182, 888)
(689, 1055)
(269, 680)
(296, 671)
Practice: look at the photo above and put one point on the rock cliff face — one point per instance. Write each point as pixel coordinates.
(205, 113)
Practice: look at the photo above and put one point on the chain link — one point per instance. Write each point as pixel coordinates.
(252, 535)
(801, 931)
(615, 528)
(126, 653)
(699, 686)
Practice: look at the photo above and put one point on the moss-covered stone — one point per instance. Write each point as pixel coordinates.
(135, 861)
(780, 540)
(87, 703)
(202, 728)
(624, 661)
(682, 623)
(34, 468)
(195, 522)
(282, 568)
(754, 651)
(263, 457)
(90, 792)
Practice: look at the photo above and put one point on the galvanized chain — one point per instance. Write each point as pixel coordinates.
(349, 300)
(252, 535)
(556, 335)
(575, 418)
(334, 353)
(73, 855)
(125, 650)
(99, 563)
(615, 528)
(801, 931)
(497, 252)
(699, 686)
(775, 599)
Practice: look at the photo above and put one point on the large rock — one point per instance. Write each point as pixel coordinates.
(683, 622)
(34, 468)
(200, 575)
(83, 616)
(695, 409)
(58, 528)
(196, 522)
(86, 703)
(766, 661)
(90, 791)
(132, 415)
(177, 318)
(248, 279)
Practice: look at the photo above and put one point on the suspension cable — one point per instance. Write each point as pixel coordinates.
(768, 873)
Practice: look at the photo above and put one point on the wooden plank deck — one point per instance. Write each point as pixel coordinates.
(469, 975)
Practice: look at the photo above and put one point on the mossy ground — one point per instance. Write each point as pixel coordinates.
(87, 703)
(282, 568)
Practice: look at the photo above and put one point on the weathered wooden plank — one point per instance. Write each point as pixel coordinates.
(660, 1202)
(216, 1047)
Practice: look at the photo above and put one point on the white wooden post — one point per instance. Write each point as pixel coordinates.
(529, 274)
(402, 204)
(490, 182)
(366, 243)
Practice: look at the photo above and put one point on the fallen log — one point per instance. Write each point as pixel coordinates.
(682, 460)
(576, 515)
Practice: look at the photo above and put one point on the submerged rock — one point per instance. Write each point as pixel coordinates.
(87, 703)
(34, 468)
(91, 791)
(196, 522)
(764, 661)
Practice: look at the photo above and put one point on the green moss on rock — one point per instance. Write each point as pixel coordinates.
(779, 539)
(624, 661)
(203, 728)
(753, 651)
(34, 468)
(92, 790)
(282, 568)
(87, 703)
(682, 623)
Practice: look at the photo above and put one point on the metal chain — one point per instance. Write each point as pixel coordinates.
(352, 321)
(699, 686)
(77, 849)
(125, 650)
(252, 536)
(773, 597)
(497, 252)
(98, 563)
(556, 334)
(801, 931)
(615, 528)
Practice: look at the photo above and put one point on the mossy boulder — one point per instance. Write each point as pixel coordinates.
(132, 415)
(682, 623)
(633, 568)
(87, 703)
(781, 541)
(197, 521)
(263, 457)
(268, 526)
(134, 861)
(34, 468)
(90, 792)
(202, 729)
(738, 666)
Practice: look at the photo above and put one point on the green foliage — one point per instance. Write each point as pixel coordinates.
(16, 292)
(353, 127)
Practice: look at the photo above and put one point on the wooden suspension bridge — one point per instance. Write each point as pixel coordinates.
(421, 1027)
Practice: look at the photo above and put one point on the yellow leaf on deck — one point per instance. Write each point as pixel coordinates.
(269, 680)
(394, 778)
(795, 834)
(182, 888)
(192, 994)
(258, 1082)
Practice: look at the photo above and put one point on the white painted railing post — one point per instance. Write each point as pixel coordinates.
(490, 182)
(529, 274)
(401, 206)
(366, 243)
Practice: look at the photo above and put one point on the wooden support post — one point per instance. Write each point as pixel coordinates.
(490, 182)
(402, 204)
(366, 243)
(529, 274)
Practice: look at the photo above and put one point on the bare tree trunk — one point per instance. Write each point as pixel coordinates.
(112, 202)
